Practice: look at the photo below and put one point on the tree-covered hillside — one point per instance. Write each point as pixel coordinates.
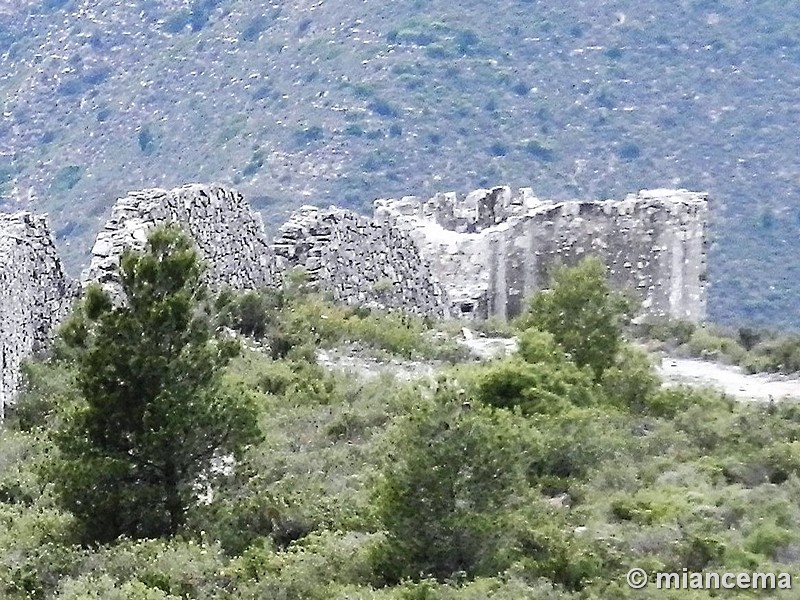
(342, 102)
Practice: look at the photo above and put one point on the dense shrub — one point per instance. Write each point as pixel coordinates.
(453, 477)
(582, 312)
(527, 477)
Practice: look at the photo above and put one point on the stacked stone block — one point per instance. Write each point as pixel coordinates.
(34, 295)
(229, 236)
(359, 260)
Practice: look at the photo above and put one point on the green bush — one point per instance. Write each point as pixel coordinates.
(452, 477)
(674, 401)
(707, 344)
(50, 388)
(553, 551)
(574, 442)
(630, 382)
(675, 332)
(298, 382)
(783, 353)
(103, 587)
(651, 505)
(768, 539)
(541, 387)
(582, 313)
(36, 550)
(154, 569)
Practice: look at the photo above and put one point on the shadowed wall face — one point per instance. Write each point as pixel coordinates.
(359, 260)
(34, 295)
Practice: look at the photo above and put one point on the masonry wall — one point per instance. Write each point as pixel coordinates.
(35, 294)
(359, 260)
(492, 249)
(229, 236)
(471, 257)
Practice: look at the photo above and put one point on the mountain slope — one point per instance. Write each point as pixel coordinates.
(342, 102)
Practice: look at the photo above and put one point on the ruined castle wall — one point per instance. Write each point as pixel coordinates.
(35, 295)
(494, 248)
(652, 244)
(229, 236)
(475, 257)
(359, 260)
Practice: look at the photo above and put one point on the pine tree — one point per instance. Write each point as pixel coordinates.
(155, 416)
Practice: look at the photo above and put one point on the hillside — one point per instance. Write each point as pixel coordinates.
(323, 102)
(220, 453)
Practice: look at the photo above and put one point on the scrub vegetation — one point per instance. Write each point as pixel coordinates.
(184, 446)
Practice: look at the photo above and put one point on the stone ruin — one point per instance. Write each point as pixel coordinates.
(229, 236)
(359, 260)
(35, 295)
(495, 247)
(472, 258)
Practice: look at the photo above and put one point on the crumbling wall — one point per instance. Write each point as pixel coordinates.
(34, 295)
(495, 247)
(475, 257)
(359, 260)
(228, 234)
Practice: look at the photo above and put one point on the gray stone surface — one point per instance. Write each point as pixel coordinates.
(229, 236)
(34, 295)
(495, 247)
(474, 257)
(358, 260)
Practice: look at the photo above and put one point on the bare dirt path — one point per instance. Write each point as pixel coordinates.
(732, 380)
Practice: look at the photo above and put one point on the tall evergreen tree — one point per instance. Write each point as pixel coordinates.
(155, 417)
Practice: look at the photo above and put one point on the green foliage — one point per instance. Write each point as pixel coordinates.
(756, 350)
(707, 345)
(574, 443)
(551, 551)
(583, 314)
(147, 140)
(50, 388)
(539, 385)
(525, 477)
(307, 570)
(104, 587)
(292, 321)
(452, 477)
(667, 330)
(155, 416)
(630, 382)
(35, 550)
(674, 401)
(156, 569)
